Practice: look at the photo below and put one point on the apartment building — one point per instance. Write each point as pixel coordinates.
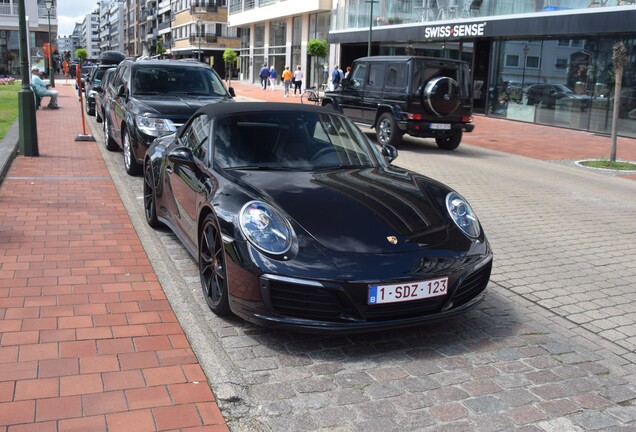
(276, 32)
(111, 28)
(38, 28)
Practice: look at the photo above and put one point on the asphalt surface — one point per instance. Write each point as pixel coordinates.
(550, 349)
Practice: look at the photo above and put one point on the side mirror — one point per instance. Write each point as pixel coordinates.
(182, 156)
(231, 91)
(121, 91)
(389, 152)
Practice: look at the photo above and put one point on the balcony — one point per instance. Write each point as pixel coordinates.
(11, 10)
(43, 13)
(151, 35)
(199, 9)
(203, 39)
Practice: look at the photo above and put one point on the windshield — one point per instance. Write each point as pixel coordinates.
(176, 80)
(292, 141)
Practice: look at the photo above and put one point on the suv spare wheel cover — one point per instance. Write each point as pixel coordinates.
(441, 95)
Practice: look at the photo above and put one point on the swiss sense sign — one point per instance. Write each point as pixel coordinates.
(455, 30)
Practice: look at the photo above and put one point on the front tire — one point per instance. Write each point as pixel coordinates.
(212, 268)
(150, 196)
(449, 142)
(387, 131)
(89, 111)
(110, 143)
(130, 163)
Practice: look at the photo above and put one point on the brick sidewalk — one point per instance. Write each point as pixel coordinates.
(88, 341)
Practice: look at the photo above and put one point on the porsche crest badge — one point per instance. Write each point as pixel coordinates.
(392, 239)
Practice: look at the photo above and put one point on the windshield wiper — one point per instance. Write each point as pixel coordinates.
(262, 168)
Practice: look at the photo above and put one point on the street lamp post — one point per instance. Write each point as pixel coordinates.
(49, 5)
(28, 134)
(525, 60)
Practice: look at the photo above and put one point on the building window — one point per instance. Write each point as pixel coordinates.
(512, 60)
(561, 64)
(533, 62)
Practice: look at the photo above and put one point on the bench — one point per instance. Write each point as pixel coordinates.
(38, 99)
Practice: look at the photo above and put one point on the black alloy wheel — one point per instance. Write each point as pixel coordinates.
(212, 268)
(108, 140)
(130, 163)
(449, 142)
(387, 131)
(150, 197)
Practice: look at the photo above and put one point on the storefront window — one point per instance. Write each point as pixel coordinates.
(277, 49)
(565, 83)
(319, 24)
(244, 53)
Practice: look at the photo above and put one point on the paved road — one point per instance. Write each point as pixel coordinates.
(551, 348)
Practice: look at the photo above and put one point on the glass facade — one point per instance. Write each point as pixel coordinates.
(555, 74)
(356, 13)
(565, 82)
(319, 29)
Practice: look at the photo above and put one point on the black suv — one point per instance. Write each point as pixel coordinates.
(420, 96)
(108, 59)
(151, 98)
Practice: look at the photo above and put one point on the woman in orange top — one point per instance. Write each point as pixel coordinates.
(286, 76)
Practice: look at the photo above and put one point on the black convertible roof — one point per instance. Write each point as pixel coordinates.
(215, 109)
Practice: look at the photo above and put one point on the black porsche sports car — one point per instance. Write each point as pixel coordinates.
(297, 219)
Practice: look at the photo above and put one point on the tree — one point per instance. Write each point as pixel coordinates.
(81, 54)
(160, 49)
(230, 56)
(316, 48)
(619, 58)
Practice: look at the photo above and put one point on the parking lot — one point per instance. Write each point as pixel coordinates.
(550, 349)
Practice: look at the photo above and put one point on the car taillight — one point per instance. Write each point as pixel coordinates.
(412, 116)
(467, 119)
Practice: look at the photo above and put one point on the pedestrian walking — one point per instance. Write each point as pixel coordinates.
(286, 76)
(336, 77)
(298, 80)
(264, 76)
(272, 77)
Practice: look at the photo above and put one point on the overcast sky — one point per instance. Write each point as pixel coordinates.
(71, 11)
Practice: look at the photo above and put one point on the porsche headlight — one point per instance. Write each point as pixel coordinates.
(92, 93)
(155, 126)
(462, 214)
(265, 228)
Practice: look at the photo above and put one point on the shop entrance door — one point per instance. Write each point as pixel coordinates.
(481, 63)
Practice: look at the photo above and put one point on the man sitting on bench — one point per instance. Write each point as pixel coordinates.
(41, 89)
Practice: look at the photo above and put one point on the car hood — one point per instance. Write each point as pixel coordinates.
(173, 106)
(373, 210)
